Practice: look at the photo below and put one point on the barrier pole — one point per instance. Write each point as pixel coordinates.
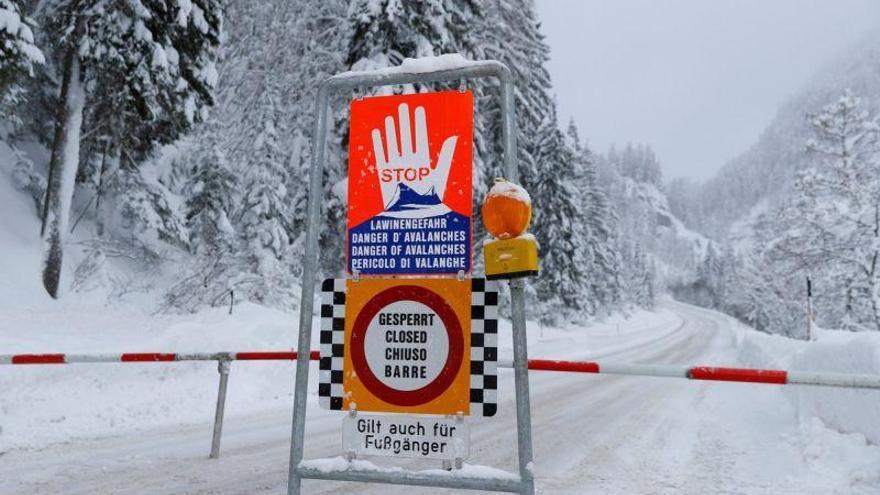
(223, 367)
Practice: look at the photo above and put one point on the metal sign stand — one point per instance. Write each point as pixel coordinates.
(352, 81)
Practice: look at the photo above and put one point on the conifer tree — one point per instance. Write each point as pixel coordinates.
(831, 225)
(384, 32)
(509, 31)
(279, 51)
(142, 71)
(213, 274)
(18, 57)
(264, 211)
(603, 271)
(211, 193)
(558, 224)
(641, 276)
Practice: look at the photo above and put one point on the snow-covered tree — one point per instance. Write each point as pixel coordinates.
(264, 212)
(210, 201)
(603, 269)
(62, 166)
(146, 207)
(709, 275)
(640, 163)
(142, 71)
(640, 275)
(211, 198)
(764, 297)
(18, 56)
(831, 225)
(275, 54)
(384, 32)
(559, 224)
(509, 31)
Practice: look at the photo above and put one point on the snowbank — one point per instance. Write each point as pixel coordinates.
(844, 410)
(46, 404)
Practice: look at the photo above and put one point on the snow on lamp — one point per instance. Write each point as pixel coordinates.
(511, 252)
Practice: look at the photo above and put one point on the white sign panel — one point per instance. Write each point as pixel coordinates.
(406, 345)
(421, 437)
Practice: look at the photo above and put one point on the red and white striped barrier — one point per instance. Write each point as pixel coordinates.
(224, 360)
(151, 357)
(713, 373)
(745, 375)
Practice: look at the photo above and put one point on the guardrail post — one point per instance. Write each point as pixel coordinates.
(223, 366)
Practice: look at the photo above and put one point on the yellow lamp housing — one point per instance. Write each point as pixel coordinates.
(511, 258)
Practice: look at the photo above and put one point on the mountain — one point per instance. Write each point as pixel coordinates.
(780, 215)
(763, 174)
(407, 203)
(647, 223)
(405, 198)
(676, 248)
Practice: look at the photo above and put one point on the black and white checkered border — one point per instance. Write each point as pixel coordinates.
(484, 347)
(330, 391)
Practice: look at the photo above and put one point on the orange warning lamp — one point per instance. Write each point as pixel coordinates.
(507, 211)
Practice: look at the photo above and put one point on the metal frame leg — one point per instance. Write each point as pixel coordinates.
(307, 300)
(223, 367)
(521, 379)
(518, 308)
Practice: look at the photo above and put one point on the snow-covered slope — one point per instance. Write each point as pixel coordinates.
(19, 240)
(52, 404)
(656, 202)
(678, 248)
(765, 172)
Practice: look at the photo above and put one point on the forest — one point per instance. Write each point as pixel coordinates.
(179, 140)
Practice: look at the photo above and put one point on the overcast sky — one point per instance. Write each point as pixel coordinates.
(696, 79)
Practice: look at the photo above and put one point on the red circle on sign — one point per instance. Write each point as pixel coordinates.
(453, 360)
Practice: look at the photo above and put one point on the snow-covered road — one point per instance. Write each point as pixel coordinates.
(592, 434)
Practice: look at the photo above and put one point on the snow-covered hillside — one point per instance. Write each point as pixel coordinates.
(669, 228)
(799, 204)
(764, 173)
(20, 260)
(647, 219)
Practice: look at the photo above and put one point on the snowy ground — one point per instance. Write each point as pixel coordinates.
(146, 428)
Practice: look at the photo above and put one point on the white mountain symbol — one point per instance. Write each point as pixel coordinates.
(411, 185)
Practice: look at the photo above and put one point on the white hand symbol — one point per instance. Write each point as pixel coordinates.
(407, 164)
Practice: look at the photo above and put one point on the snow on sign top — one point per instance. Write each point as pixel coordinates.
(410, 185)
(448, 61)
